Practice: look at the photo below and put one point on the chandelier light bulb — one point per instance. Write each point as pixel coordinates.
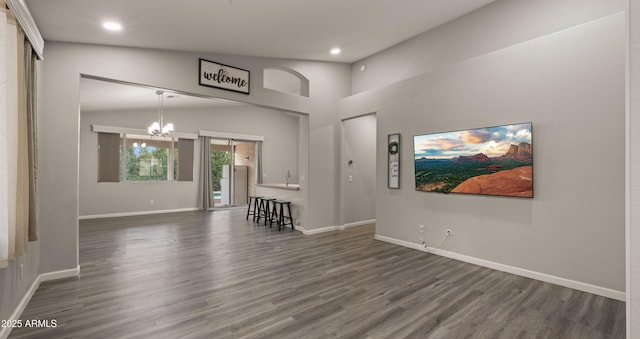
(159, 128)
(154, 129)
(167, 129)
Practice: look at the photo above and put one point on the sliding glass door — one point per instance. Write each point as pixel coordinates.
(221, 160)
(233, 166)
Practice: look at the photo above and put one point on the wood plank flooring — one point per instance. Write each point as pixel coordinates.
(217, 275)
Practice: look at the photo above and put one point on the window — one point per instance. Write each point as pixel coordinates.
(125, 157)
(144, 158)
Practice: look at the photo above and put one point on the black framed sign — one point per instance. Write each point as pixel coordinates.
(213, 74)
(393, 157)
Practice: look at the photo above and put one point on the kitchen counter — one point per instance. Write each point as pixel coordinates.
(291, 193)
(292, 187)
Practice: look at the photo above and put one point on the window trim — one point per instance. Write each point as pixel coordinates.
(127, 130)
(233, 136)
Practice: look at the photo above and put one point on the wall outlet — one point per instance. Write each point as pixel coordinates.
(151, 202)
(448, 232)
(350, 178)
(421, 228)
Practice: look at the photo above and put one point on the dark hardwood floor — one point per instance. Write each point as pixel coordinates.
(216, 275)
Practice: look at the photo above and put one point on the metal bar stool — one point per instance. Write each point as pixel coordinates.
(252, 208)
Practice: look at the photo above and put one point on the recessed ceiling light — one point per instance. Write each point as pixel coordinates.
(111, 26)
(335, 51)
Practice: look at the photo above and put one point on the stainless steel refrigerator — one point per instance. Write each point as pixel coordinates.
(240, 181)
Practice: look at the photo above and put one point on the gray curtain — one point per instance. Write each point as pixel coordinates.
(30, 60)
(22, 161)
(26, 199)
(258, 162)
(206, 186)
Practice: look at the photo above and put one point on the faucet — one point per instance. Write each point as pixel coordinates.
(286, 178)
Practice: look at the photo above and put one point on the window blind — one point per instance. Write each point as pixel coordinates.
(185, 159)
(108, 157)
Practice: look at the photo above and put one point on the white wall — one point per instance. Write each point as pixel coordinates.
(359, 145)
(59, 154)
(570, 84)
(280, 150)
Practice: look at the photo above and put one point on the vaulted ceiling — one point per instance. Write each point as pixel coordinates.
(292, 29)
(296, 29)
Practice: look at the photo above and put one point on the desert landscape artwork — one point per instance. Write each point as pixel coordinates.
(491, 161)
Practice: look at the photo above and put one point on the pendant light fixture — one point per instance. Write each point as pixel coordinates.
(158, 128)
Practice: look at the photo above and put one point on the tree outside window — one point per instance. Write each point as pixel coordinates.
(147, 159)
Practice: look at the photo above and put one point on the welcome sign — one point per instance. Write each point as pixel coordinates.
(222, 76)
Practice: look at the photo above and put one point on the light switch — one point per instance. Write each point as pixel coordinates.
(350, 178)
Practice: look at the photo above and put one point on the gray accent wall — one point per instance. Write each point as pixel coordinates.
(498, 25)
(15, 287)
(633, 173)
(570, 85)
(280, 152)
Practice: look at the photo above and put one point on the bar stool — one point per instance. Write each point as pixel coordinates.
(263, 209)
(285, 220)
(274, 216)
(252, 208)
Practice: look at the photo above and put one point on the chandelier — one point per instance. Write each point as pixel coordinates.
(158, 128)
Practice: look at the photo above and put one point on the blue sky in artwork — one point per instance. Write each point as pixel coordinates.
(491, 141)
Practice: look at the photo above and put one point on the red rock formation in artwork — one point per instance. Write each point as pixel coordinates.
(475, 158)
(517, 182)
(522, 151)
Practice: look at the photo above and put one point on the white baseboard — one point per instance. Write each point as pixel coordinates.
(129, 214)
(577, 285)
(4, 332)
(317, 230)
(334, 228)
(74, 272)
(357, 223)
